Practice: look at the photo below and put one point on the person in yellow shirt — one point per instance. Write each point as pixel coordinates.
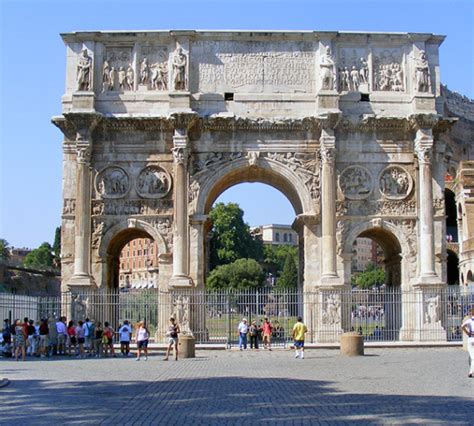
(299, 330)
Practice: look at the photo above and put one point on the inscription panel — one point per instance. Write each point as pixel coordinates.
(225, 66)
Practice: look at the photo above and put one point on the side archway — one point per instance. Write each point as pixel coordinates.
(117, 237)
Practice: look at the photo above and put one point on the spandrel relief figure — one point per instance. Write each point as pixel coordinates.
(354, 82)
(84, 71)
(179, 69)
(122, 75)
(144, 71)
(129, 79)
(422, 73)
(328, 70)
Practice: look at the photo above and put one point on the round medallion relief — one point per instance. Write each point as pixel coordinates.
(112, 182)
(395, 183)
(153, 182)
(356, 183)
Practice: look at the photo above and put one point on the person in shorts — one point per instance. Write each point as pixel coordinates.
(43, 335)
(468, 328)
(299, 330)
(172, 335)
(125, 333)
(142, 337)
(108, 340)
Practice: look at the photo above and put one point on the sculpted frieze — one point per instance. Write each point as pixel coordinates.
(153, 68)
(117, 70)
(353, 69)
(395, 183)
(99, 228)
(112, 182)
(153, 182)
(376, 208)
(388, 70)
(342, 230)
(113, 207)
(356, 183)
(164, 227)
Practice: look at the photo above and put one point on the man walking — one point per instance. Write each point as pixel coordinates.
(299, 330)
(243, 329)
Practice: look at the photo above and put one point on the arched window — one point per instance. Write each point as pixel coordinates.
(277, 236)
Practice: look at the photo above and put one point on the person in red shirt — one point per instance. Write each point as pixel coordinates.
(267, 328)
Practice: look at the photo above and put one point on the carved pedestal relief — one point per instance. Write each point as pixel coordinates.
(332, 310)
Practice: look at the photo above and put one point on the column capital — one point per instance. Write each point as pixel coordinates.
(424, 145)
(83, 152)
(180, 155)
(327, 143)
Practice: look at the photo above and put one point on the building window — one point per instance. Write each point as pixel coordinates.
(290, 238)
(285, 237)
(277, 236)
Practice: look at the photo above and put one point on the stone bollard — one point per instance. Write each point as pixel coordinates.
(352, 344)
(186, 347)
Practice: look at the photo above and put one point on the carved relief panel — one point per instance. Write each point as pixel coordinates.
(117, 69)
(388, 69)
(112, 182)
(356, 183)
(395, 183)
(353, 69)
(153, 73)
(153, 182)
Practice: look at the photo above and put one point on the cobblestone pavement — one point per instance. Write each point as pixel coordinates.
(387, 386)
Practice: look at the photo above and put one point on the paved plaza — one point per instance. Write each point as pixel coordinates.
(387, 386)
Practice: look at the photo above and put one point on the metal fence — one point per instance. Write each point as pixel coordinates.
(388, 314)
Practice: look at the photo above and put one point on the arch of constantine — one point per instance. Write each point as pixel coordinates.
(355, 129)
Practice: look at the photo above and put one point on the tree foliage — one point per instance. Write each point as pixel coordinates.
(57, 248)
(40, 258)
(370, 277)
(288, 278)
(230, 236)
(242, 274)
(275, 257)
(4, 250)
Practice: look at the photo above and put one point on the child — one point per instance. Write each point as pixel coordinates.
(299, 330)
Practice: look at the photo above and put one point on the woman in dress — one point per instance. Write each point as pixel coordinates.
(20, 340)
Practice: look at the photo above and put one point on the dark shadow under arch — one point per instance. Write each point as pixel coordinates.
(452, 268)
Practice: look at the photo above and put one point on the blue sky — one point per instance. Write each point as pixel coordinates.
(32, 62)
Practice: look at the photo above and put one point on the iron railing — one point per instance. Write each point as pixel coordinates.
(388, 314)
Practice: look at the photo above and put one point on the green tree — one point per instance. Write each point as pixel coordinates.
(41, 258)
(57, 248)
(230, 236)
(275, 257)
(4, 250)
(242, 274)
(370, 277)
(289, 276)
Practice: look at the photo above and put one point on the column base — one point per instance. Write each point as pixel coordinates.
(82, 282)
(429, 280)
(181, 282)
(331, 281)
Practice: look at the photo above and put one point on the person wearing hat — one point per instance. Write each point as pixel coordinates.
(243, 329)
(468, 328)
(254, 330)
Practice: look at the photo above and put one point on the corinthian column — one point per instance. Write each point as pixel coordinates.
(423, 148)
(180, 237)
(82, 232)
(328, 204)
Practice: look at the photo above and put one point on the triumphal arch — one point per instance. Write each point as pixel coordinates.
(349, 126)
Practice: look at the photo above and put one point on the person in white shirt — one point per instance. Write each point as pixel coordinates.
(243, 329)
(125, 332)
(62, 335)
(468, 328)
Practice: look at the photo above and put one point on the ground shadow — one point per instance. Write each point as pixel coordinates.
(217, 401)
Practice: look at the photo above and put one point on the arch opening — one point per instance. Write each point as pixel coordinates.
(451, 216)
(452, 268)
(132, 260)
